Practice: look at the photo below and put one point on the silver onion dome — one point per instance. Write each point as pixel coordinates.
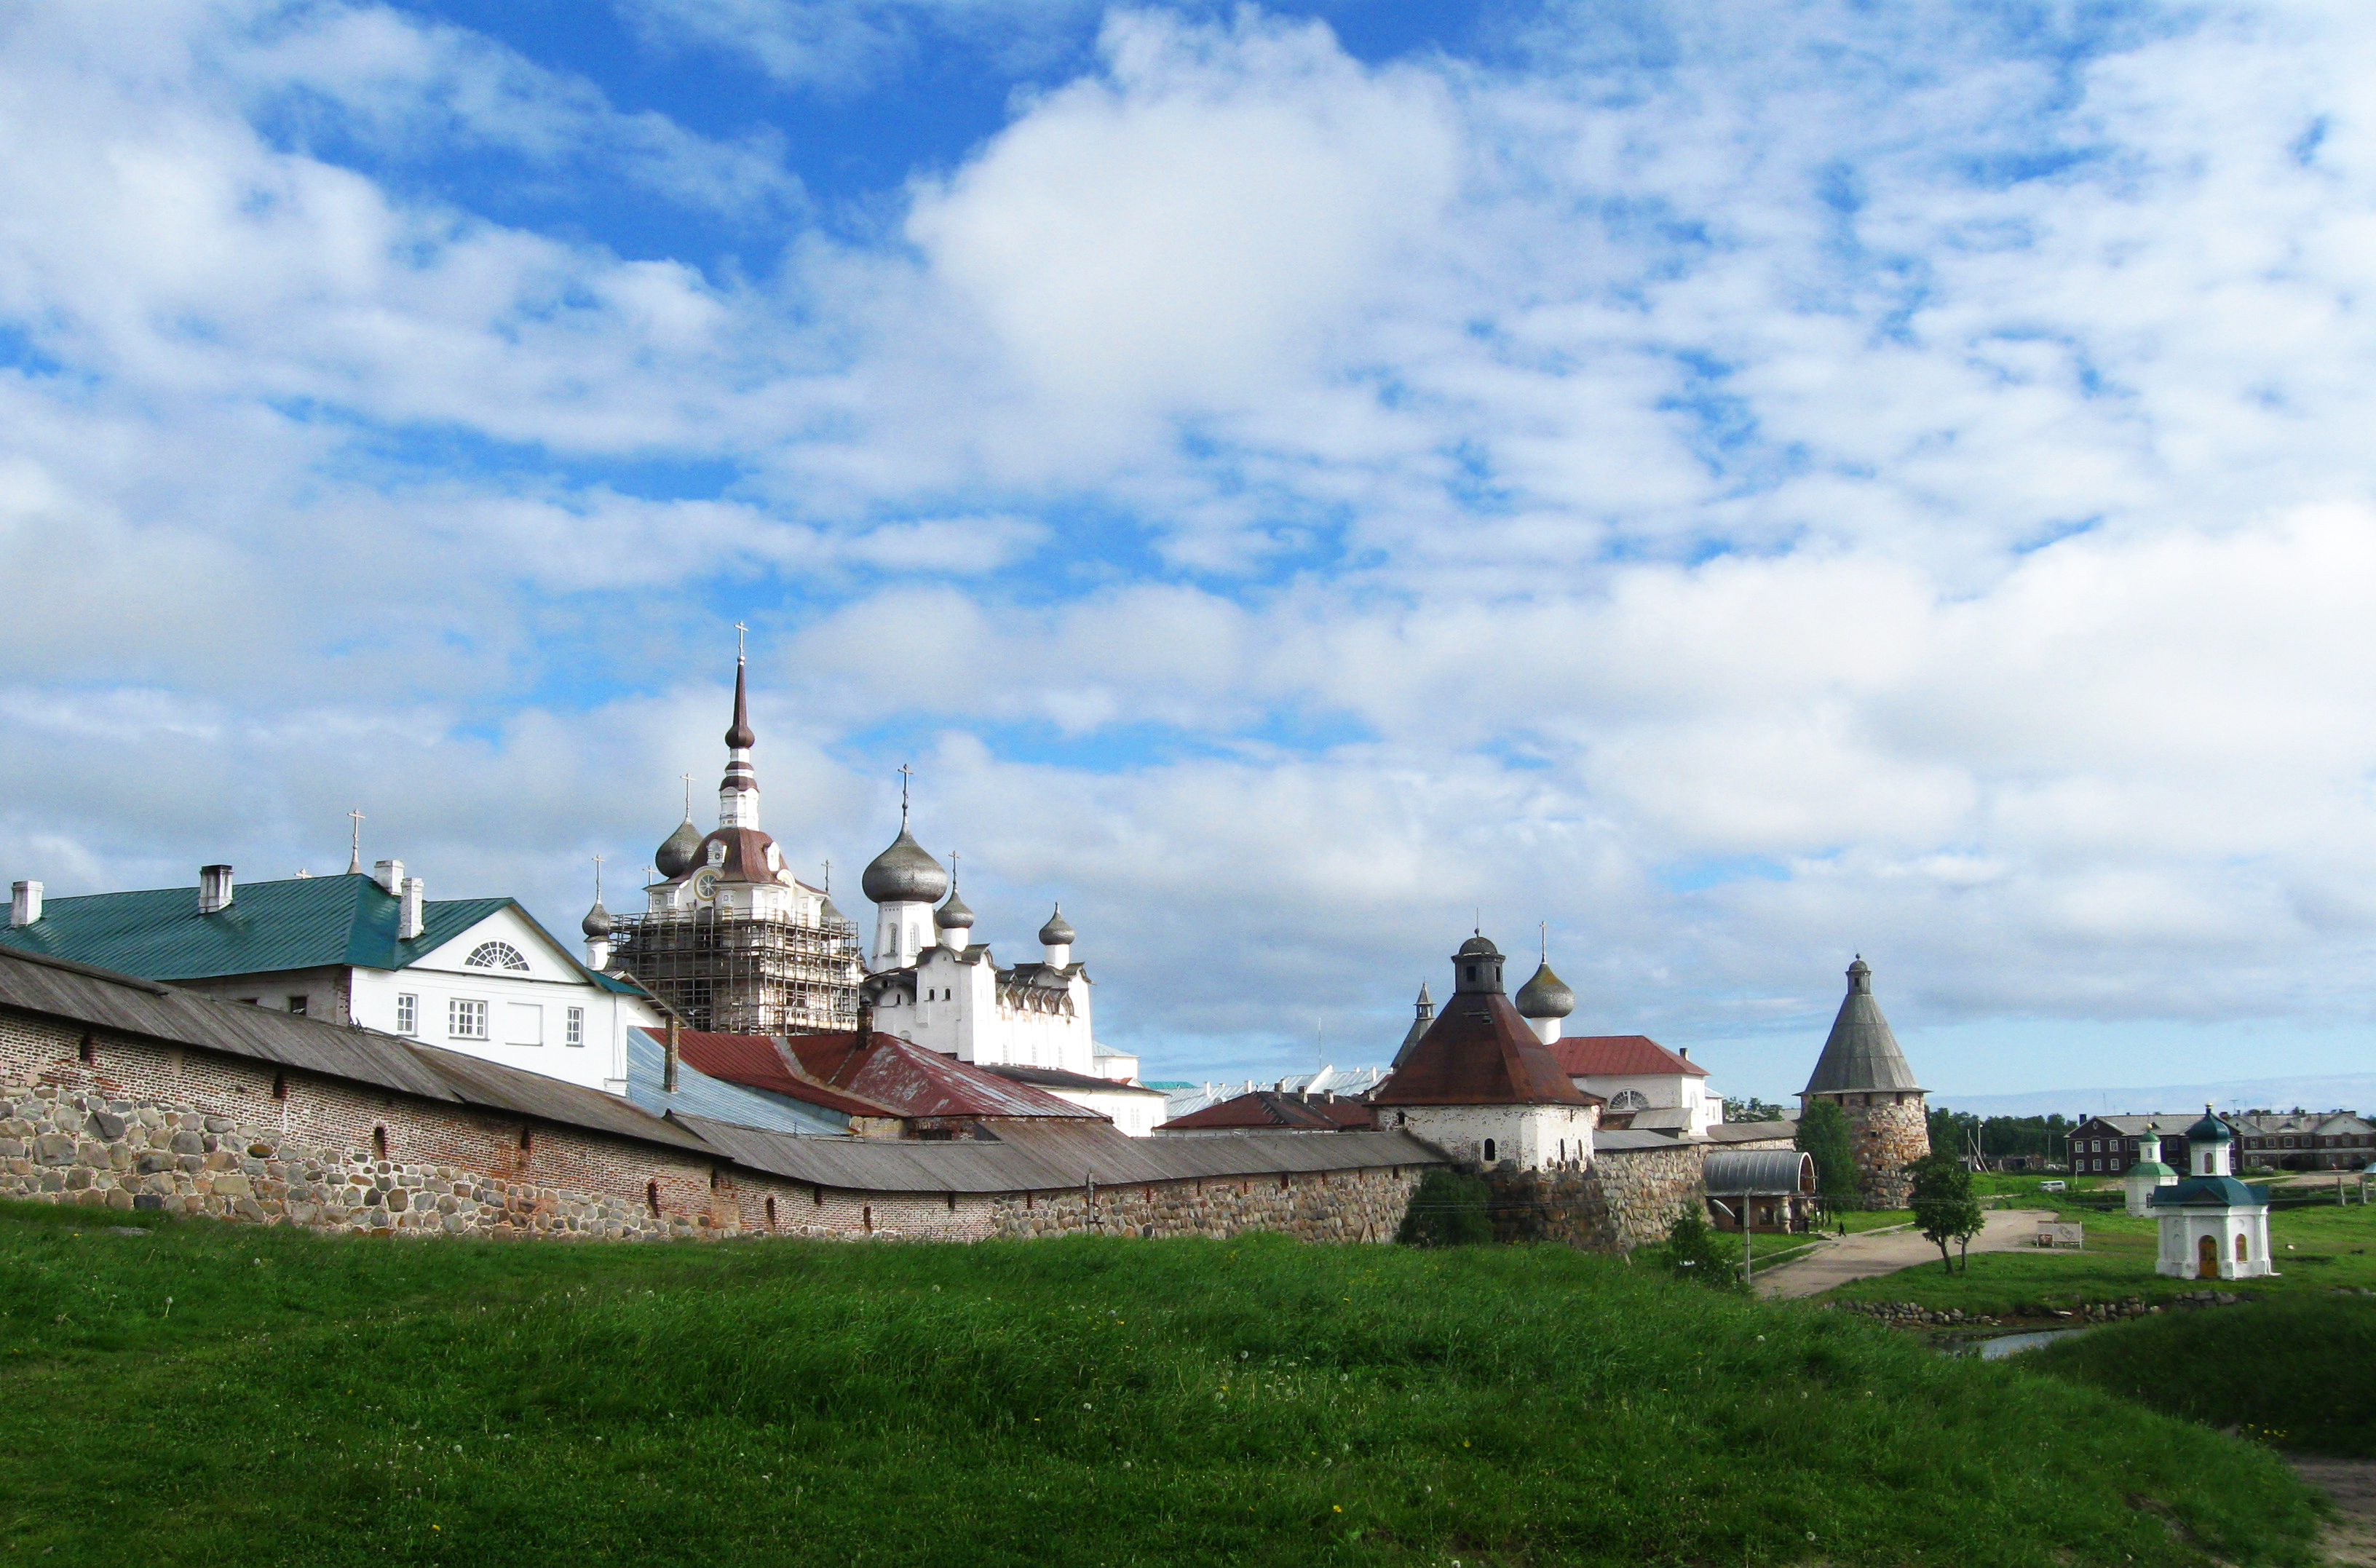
(953, 915)
(1545, 996)
(905, 874)
(597, 923)
(1058, 931)
(676, 855)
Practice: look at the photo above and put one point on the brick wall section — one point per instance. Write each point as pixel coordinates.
(186, 1131)
(1888, 1138)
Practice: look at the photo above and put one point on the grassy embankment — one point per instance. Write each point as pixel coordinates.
(2316, 1250)
(2298, 1372)
(200, 1393)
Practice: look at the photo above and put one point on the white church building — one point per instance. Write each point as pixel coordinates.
(2213, 1227)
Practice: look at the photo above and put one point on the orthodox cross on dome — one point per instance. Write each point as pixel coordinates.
(1543, 931)
(355, 856)
(828, 877)
(739, 629)
(688, 795)
(597, 879)
(906, 773)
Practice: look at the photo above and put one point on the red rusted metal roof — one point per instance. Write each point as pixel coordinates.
(1270, 1109)
(1478, 1052)
(760, 1062)
(918, 1080)
(1590, 1056)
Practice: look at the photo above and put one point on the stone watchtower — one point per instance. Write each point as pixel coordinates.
(1865, 1074)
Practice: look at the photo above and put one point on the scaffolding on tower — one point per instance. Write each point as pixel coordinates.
(742, 973)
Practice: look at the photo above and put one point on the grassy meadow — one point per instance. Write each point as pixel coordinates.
(2316, 1250)
(201, 1394)
(2296, 1371)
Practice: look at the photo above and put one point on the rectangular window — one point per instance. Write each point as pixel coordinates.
(297, 1005)
(465, 1021)
(408, 1014)
(574, 1026)
(523, 1023)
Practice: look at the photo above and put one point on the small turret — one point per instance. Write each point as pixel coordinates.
(1056, 937)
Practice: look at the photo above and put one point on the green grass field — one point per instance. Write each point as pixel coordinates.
(2298, 1372)
(2316, 1249)
(200, 1393)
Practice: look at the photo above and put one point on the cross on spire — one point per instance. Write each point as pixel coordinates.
(688, 795)
(905, 774)
(828, 876)
(355, 856)
(739, 629)
(597, 879)
(953, 870)
(1543, 929)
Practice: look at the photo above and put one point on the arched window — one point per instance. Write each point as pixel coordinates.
(1628, 1100)
(1489, 1151)
(495, 956)
(2240, 1247)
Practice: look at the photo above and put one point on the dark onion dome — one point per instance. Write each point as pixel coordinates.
(1058, 931)
(675, 857)
(1480, 946)
(597, 923)
(738, 734)
(2210, 1130)
(1545, 996)
(903, 874)
(953, 915)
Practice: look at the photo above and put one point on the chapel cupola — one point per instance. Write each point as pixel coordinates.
(954, 919)
(1476, 967)
(2210, 1145)
(1056, 938)
(1545, 1002)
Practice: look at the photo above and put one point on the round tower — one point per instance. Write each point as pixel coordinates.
(1864, 1072)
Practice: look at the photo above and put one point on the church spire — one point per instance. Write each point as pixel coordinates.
(738, 793)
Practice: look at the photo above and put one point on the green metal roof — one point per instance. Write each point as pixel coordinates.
(2210, 1192)
(301, 924)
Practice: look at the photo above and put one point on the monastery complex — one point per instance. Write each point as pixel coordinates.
(738, 1058)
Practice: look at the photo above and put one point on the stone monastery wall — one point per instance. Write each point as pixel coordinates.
(1627, 1199)
(123, 1121)
(1892, 1131)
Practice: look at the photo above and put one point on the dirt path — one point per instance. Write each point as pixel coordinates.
(1862, 1256)
(2350, 1541)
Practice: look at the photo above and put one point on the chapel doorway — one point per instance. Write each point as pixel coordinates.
(2206, 1258)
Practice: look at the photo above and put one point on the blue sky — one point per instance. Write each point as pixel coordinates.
(1738, 484)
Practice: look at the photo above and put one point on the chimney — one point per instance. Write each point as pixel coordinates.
(411, 918)
(25, 903)
(214, 889)
(1685, 1054)
(668, 1066)
(389, 874)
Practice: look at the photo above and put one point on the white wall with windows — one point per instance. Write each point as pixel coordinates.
(505, 991)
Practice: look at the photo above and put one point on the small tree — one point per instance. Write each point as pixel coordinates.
(1448, 1210)
(1693, 1251)
(1752, 1110)
(1823, 1132)
(1944, 1205)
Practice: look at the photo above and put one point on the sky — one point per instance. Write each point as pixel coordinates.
(1711, 489)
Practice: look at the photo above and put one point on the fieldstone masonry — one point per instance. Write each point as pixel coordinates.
(1627, 1199)
(1892, 1131)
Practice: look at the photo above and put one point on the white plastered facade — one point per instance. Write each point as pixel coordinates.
(2202, 1240)
(524, 1013)
(1536, 1137)
(1670, 1102)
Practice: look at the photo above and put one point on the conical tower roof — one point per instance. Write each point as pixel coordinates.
(1425, 1015)
(1860, 1052)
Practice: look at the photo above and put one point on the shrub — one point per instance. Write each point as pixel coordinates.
(1448, 1210)
(1695, 1251)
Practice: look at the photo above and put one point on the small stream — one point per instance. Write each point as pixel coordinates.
(1998, 1346)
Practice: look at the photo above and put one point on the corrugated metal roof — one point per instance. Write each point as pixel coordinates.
(1734, 1173)
(1624, 1140)
(1478, 1052)
(84, 995)
(919, 1081)
(1750, 1132)
(1611, 1056)
(89, 996)
(767, 1063)
(1059, 1078)
(702, 1094)
(495, 1086)
(1039, 1156)
(1270, 1109)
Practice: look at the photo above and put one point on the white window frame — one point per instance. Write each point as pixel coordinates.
(407, 1013)
(573, 1026)
(466, 1018)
